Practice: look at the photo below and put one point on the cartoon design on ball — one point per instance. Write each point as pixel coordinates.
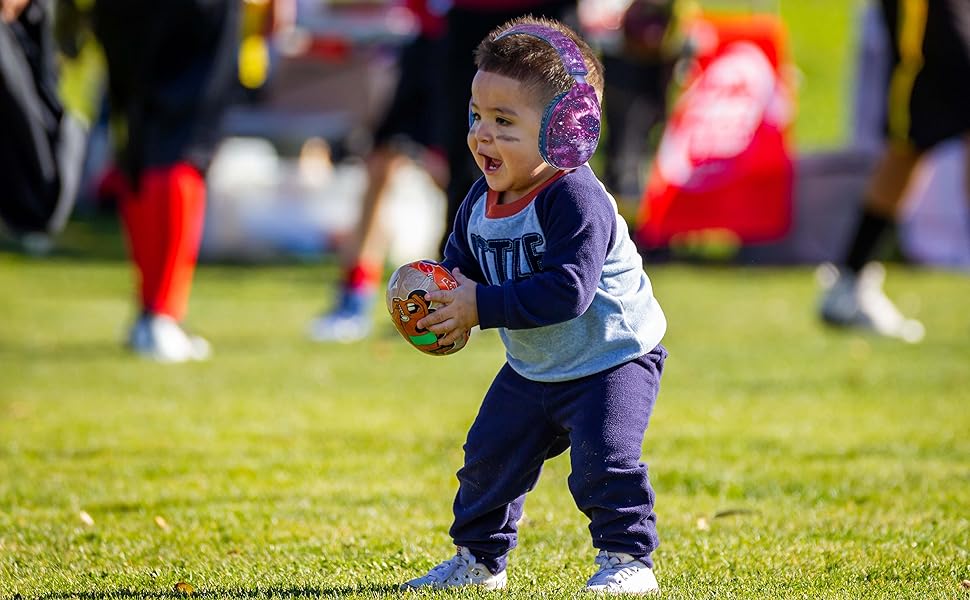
(408, 303)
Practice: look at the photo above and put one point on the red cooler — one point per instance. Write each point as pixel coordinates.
(723, 164)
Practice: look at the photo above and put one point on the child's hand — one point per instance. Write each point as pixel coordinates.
(458, 313)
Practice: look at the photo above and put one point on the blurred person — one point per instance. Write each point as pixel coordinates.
(638, 73)
(541, 254)
(10, 9)
(42, 145)
(928, 102)
(407, 131)
(469, 21)
(170, 67)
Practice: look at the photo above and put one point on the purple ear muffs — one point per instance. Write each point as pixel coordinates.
(570, 128)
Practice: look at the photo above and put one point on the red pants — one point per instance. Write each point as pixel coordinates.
(163, 221)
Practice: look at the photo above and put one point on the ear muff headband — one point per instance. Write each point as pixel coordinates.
(570, 128)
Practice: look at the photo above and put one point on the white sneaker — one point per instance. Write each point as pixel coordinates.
(160, 338)
(858, 301)
(460, 570)
(340, 327)
(620, 573)
(36, 243)
(350, 321)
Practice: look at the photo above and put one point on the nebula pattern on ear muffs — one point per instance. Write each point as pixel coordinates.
(570, 128)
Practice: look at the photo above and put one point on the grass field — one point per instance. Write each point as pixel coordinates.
(790, 461)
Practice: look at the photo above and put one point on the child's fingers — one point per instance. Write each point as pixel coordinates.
(438, 327)
(453, 336)
(433, 321)
(440, 296)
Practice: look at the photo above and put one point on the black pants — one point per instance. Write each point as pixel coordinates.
(929, 96)
(171, 70)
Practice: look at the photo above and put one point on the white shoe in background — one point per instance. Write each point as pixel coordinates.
(350, 321)
(858, 301)
(160, 338)
(341, 327)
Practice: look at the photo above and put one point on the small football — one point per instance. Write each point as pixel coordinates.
(407, 303)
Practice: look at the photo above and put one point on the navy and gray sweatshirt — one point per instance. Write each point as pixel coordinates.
(559, 277)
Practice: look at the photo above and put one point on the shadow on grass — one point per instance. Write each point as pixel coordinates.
(379, 590)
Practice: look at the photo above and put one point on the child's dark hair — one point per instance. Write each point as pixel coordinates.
(533, 62)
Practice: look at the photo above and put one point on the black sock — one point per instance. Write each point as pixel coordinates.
(867, 236)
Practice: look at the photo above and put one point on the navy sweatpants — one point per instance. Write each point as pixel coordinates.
(521, 423)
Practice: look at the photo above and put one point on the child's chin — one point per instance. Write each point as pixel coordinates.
(494, 182)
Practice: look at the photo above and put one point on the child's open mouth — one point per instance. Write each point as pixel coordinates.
(491, 164)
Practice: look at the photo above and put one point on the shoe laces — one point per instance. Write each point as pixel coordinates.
(615, 567)
(460, 562)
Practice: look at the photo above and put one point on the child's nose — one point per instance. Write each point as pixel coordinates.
(483, 133)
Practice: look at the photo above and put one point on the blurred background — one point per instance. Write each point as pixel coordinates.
(315, 77)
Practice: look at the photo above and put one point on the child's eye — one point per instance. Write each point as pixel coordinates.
(502, 121)
(474, 116)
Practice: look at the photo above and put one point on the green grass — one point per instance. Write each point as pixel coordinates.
(789, 460)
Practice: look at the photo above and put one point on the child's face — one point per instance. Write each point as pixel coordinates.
(504, 136)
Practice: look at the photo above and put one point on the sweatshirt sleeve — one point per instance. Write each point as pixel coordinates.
(578, 225)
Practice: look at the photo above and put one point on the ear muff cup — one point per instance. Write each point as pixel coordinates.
(570, 129)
